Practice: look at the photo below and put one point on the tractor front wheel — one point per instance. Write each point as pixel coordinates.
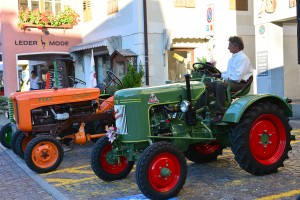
(14, 140)
(161, 171)
(261, 140)
(43, 154)
(203, 153)
(106, 164)
(5, 135)
(21, 144)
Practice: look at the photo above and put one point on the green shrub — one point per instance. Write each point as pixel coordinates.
(133, 78)
(3, 103)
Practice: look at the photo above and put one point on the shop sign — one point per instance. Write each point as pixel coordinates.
(41, 43)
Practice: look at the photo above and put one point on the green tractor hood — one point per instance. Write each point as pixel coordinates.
(170, 93)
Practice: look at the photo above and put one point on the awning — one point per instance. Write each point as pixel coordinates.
(124, 52)
(112, 43)
(170, 35)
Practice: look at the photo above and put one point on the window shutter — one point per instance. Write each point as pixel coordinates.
(190, 3)
(109, 7)
(179, 3)
(115, 6)
(241, 5)
(87, 11)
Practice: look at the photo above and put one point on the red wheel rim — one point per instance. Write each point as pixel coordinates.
(267, 139)
(168, 162)
(206, 148)
(112, 167)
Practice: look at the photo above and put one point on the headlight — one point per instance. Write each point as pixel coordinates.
(184, 106)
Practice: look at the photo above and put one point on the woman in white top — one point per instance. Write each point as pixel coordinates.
(34, 81)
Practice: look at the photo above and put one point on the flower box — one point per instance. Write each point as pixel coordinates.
(30, 25)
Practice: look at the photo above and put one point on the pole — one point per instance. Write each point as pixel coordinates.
(146, 42)
(298, 29)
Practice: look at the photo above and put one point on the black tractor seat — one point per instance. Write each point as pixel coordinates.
(244, 90)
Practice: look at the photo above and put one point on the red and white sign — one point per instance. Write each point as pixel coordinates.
(210, 20)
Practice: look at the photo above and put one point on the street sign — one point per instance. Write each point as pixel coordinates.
(210, 20)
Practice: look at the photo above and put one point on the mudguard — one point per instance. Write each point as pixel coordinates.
(238, 107)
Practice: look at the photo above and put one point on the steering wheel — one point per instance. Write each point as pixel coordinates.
(114, 78)
(207, 68)
(76, 80)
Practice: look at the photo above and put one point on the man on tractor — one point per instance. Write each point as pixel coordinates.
(238, 72)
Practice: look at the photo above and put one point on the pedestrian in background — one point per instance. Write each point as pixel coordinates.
(34, 79)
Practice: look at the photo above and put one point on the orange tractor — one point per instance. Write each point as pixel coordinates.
(46, 119)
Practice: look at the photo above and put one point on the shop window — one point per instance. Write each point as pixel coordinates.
(112, 6)
(240, 5)
(185, 3)
(87, 10)
(53, 6)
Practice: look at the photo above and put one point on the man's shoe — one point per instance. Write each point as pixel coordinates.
(217, 119)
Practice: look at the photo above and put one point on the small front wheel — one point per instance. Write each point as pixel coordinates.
(5, 135)
(106, 164)
(43, 154)
(161, 171)
(21, 144)
(13, 141)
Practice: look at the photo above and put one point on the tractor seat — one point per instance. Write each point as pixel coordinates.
(244, 90)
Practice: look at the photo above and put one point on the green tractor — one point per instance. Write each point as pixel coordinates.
(159, 127)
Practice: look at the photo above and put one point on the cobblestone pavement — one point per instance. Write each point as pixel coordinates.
(15, 183)
(222, 179)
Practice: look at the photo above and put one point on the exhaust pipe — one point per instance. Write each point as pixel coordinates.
(191, 113)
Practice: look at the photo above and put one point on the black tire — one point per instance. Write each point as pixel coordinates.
(21, 144)
(93, 128)
(43, 154)
(203, 153)
(14, 140)
(6, 135)
(152, 183)
(261, 140)
(108, 171)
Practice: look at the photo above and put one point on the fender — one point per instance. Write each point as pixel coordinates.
(238, 107)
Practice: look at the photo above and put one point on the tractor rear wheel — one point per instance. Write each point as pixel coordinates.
(106, 165)
(203, 153)
(161, 171)
(21, 144)
(261, 140)
(5, 135)
(43, 154)
(14, 140)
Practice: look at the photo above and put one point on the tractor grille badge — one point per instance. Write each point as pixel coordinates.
(153, 99)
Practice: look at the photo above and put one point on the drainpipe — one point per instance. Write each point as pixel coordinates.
(146, 42)
(298, 29)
